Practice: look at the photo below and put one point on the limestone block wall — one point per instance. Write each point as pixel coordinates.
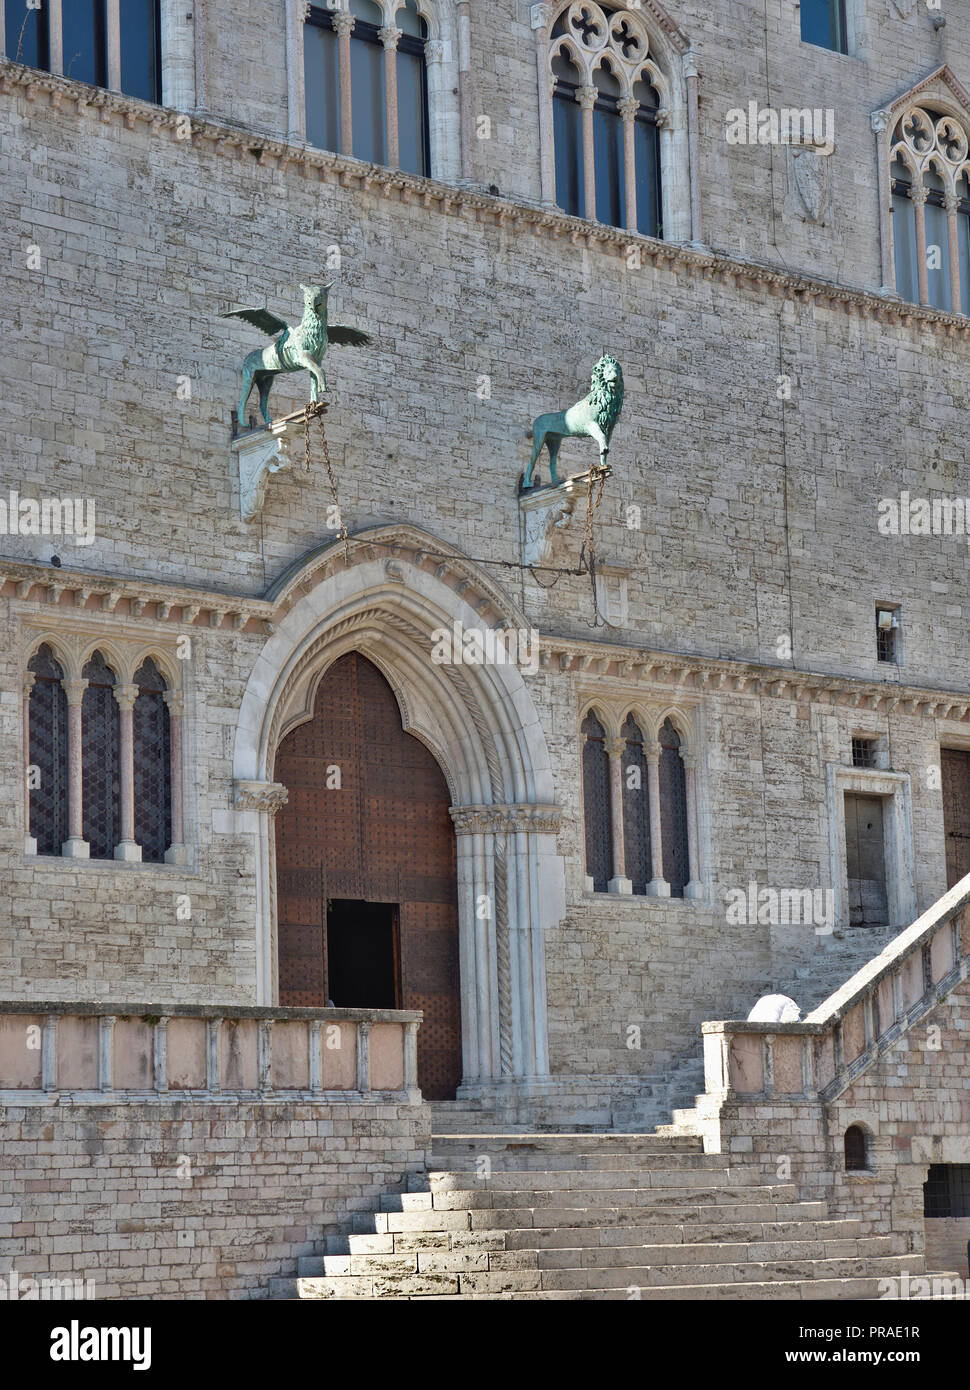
(187, 1199)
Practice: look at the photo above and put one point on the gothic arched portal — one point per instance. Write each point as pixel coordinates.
(366, 868)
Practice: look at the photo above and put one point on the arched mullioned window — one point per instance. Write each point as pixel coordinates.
(607, 112)
(85, 48)
(366, 85)
(48, 752)
(596, 804)
(673, 810)
(152, 763)
(636, 813)
(639, 797)
(930, 173)
(100, 759)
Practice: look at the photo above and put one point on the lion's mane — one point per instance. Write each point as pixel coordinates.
(606, 397)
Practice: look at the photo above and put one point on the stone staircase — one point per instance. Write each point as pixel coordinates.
(596, 1216)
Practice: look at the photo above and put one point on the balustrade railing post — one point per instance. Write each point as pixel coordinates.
(363, 1055)
(48, 1054)
(264, 1051)
(106, 1032)
(160, 1055)
(316, 1056)
(410, 1056)
(212, 1081)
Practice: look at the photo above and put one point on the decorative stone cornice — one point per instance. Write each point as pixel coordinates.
(622, 670)
(323, 166)
(260, 796)
(497, 820)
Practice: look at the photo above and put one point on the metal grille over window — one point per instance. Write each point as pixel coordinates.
(855, 1149)
(636, 819)
(100, 759)
(152, 760)
(863, 752)
(946, 1192)
(596, 804)
(673, 811)
(48, 753)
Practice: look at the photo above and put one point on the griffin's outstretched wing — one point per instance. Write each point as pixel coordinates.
(348, 337)
(259, 318)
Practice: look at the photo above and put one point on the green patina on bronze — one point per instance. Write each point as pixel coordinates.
(594, 417)
(295, 349)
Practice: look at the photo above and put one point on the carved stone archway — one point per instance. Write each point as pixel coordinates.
(386, 598)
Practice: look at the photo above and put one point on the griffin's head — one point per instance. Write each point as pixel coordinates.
(315, 296)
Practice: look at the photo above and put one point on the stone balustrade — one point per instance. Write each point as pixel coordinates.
(820, 1057)
(112, 1052)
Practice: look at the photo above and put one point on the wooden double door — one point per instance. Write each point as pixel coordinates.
(955, 767)
(367, 899)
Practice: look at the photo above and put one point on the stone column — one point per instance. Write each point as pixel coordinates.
(541, 22)
(586, 96)
(265, 798)
(201, 56)
(113, 25)
(296, 11)
(952, 203)
(466, 119)
(619, 883)
(693, 148)
(30, 844)
(693, 889)
(177, 852)
(628, 109)
(344, 23)
(75, 847)
(922, 276)
(410, 1056)
(390, 37)
(658, 887)
(55, 41)
(880, 126)
(178, 57)
(126, 695)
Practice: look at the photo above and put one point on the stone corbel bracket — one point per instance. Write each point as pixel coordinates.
(545, 510)
(260, 453)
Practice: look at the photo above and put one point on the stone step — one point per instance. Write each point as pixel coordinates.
(449, 1200)
(561, 1142)
(503, 1218)
(539, 1162)
(714, 1172)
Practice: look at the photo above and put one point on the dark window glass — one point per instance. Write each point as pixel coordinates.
(596, 804)
(100, 759)
(25, 34)
(568, 132)
(152, 757)
(855, 1149)
(608, 163)
(410, 22)
(141, 63)
(823, 23)
(84, 30)
(48, 753)
(673, 811)
(412, 112)
(367, 88)
(636, 819)
(649, 203)
(322, 80)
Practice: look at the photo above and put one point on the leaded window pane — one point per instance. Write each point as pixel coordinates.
(412, 113)
(152, 758)
(25, 34)
(608, 164)
(48, 753)
(636, 816)
(100, 759)
(141, 66)
(84, 28)
(596, 804)
(367, 88)
(568, 136)
(673, 811)
(649, 198)
(321, 72)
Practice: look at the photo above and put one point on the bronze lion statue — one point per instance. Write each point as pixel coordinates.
(594, 417)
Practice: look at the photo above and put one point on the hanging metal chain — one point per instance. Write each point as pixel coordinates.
(319, 409)
(587, 554)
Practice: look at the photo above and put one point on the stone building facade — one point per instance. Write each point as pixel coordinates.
(790, 380)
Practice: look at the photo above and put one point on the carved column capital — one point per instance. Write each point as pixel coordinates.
(951, 202)
(74, 688)
(434, 52)
(175, 701)
(541, 16)
(651, 752)
(126, 695)
(389, 36)
(343, 22)
(586, 96)
(492, 819)
(689, 61)
(918, 194)
(628, 108)
(29, 678)
(260, 796)
(879, 120)
(615, 747)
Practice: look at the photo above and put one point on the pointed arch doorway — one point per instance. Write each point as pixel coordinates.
(367, 894)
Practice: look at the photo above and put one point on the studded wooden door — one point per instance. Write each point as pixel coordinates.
(955, 767)
(367, 819)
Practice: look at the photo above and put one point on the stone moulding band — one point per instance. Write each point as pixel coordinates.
(482, 820)
(479, 207)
